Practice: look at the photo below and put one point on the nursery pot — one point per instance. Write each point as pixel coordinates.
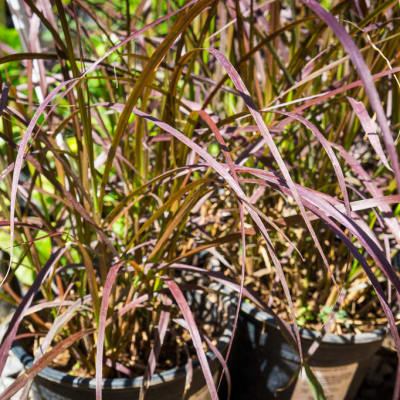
(263, 363)
(51, 384)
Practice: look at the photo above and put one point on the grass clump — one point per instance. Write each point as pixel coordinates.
(135, 136)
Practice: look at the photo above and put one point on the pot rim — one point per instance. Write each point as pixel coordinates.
(311, 334)
(60, 377)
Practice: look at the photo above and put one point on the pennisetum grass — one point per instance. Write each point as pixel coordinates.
(137, 136)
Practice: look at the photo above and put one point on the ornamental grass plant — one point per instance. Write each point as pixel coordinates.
(138, 138)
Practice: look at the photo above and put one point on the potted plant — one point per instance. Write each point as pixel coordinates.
(325, 263)
(103, 209)
(143, 156)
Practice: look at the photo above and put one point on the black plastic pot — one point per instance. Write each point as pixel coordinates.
(263, 362)
(51, 384)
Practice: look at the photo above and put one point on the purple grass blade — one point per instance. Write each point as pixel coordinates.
(225, 152)
(58, 323)
(6, 171)
(155, 351)
(366, 77)
(365, 204)
(128, 307)
(119, 367)
(4, 97)
(18, 166)
(223, 361)
(54, 303)
(216, 352)
(332, 156)
(189, 375)
(376, 192)
(222, 279)
(31, 226)
(34, 370)
(370, 129)
(109, 283)
(194, 333)
(25, 303)
(329, 94)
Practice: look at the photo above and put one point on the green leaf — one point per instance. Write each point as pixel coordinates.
(327, 4)
(25, 274)
(10, 36)
(43, 246)
(315, 386)
(214, 149)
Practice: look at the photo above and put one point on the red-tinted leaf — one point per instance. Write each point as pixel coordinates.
(155, 351)
(225, 152)
(194, 333)
(229, 283)
(4, 96)
(370, 129)
(20, 382)
(109, 283)
(119, 367)
(216, 352)
(376, 192)
(366, 77)
(25, 303)
(58, 323)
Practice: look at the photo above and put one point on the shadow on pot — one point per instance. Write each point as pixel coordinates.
(262, 361)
